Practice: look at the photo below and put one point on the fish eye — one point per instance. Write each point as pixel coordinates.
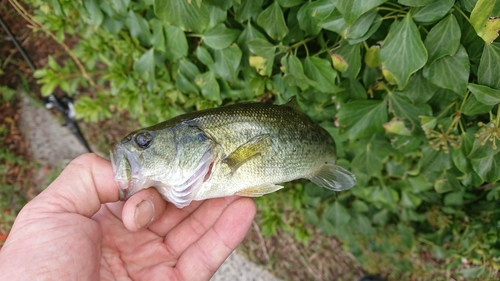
(144, 139)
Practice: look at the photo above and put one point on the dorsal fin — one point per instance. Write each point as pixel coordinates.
(292, 102)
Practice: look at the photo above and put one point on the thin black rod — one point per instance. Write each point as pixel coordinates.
(18, 46)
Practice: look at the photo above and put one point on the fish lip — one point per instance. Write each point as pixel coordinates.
(118, 154)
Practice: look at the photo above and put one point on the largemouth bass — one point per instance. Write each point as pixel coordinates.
(244, 149)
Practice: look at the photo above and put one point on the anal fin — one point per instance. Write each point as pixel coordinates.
(256, 146)
(256, 191)
(333, 177)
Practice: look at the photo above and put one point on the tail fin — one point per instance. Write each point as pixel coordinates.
(333, 177)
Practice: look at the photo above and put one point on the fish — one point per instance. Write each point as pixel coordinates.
(246, 149)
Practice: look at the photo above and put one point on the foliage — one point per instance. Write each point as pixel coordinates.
(409, 89)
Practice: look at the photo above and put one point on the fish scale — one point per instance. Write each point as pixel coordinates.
(243, 149)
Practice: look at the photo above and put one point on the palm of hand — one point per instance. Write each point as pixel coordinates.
(69, 235)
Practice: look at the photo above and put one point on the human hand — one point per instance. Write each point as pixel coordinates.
(73, 231)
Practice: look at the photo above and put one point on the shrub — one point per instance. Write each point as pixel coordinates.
(409, 90)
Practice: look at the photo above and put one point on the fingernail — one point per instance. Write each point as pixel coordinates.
(144, 213)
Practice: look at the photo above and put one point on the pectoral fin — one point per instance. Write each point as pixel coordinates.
(333, 177)
(254, 147)
(259, 190)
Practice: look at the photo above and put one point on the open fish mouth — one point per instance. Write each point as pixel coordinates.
(126, 170)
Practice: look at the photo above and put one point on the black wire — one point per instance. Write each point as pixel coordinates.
(18, 46)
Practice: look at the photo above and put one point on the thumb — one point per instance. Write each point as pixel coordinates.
(85, 184)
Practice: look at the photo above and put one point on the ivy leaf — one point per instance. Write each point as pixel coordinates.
(95, 13)
(450, 72)
(443, 39)
(361, 26)
(489, 67)
(227, 62)
(485, 94)
(158, 40)
(290, 3)
(307, 21)
(432, 12)
(177, 45)
(204, 56)
(402, 108)
(488, 168)
(334, 22)
(246, 9)
(415, 3)
(484, 19)
(209, 87)
(351, 10)
(273, 21)
(362, 118)
(184, 14)
(139, 28)
(347, 59)
(403, 52)
(419, 90)
(262, 48)
(217, 16)
(473, 107)
(321, 72)
(337, 215)
(220, 37)
(145, 65)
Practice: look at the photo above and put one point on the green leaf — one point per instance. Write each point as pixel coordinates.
(454, 198)
(351, 10)
(145, 63)
(261, 48)
(369, 160)
(227, 62)
(473, 107)
(450, 72)
(488, 168)
(320, 71)
(489, 67)
(485, 94)
(184, 14)
(158, 40)
(273, 22)
(307, 21)
(484, 19)
(177, 45)
(443, 39)
(347, 59)
(361, 26)
(471, 273)
(415, 3)
(432, 12)
(220, 37)
(403, 52)
(362, 118)
(290, 3)
(217, 16)
(337, 215)
(409, 200)
(247, 9)
(434, 160)
(401, 106)
(139, 28)
(334, 22)
(419, 90)
(209, 87)
(204, 56)
(95, 13)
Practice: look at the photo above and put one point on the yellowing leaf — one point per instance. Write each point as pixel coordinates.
(339, 63)
(396, 126)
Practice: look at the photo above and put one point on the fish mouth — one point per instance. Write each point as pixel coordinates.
(126, 170)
